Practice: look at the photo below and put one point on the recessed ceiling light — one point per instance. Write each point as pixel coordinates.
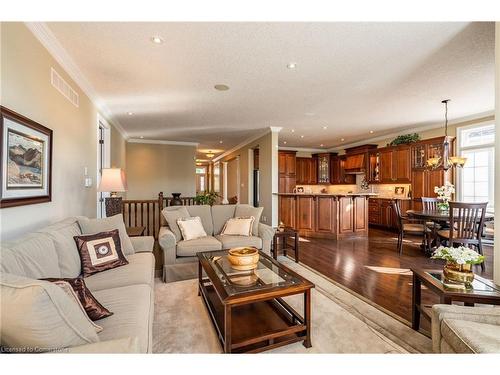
(301, 136)
(141, 137)
(321, 145)
(291, 65)
(284, 142)
(342, 139)
(221, 87)
(156, 39)
(220, 142)
(130, 113)
(325, 127)
(293, 130)
(371, 131)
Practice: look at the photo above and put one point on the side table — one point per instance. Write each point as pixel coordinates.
(280, 239)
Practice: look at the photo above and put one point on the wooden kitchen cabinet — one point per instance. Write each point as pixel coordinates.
(360, 214)
(287, 169)
(337, 171)
(306, 171)
(326, 212)
(386, 167)
(288, 210)
(346, 215)
(395, 164)
(323, 168)
(305, 213)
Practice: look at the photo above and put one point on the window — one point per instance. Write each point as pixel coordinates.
(217, 177)
(476, 179)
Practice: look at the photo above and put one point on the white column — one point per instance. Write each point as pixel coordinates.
(274, 173)
(496, 251)
(224, 183)
(238, 179)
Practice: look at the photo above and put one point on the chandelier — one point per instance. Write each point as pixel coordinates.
(210, 154)
(445, 160)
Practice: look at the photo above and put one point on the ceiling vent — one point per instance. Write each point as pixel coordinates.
(63, 87)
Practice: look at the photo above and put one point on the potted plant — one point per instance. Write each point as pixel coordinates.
(206, 198)
(459, 261)
(444, 194)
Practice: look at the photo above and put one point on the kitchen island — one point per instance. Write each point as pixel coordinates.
(325, 215)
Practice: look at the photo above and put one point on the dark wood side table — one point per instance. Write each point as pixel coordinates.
(483, 291)
(136, 231)
(280, 239)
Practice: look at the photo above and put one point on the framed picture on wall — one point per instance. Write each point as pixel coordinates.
(25, 160)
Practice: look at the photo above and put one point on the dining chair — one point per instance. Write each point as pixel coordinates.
(466, 225)
(409, 226)
(430, 204)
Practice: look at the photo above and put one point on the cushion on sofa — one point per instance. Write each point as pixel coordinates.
(93, 226)
(471, 337)
(191, 247)
(139, 270)
(220, 214)
(205, 214)
(238, 226)
(191, 228)
(245, 210)
(62, 234)
(133, 308)
(172, 214)
(39, 314)
(228, 242)
(32, 256)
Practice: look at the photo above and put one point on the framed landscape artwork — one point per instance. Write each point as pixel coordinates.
(25, 160)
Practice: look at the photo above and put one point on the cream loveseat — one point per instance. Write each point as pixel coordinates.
(126, 291)
(463, 329)
(180, 256)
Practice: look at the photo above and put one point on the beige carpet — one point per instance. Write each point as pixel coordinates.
(341, 322)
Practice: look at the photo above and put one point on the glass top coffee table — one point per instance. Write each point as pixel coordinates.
(483, 291)
(246, 307)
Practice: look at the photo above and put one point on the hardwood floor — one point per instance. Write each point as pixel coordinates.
(372, 267)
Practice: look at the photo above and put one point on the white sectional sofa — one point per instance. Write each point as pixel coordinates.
(179, 256)
(127, 291)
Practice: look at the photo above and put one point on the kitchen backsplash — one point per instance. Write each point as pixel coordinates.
(384, 190)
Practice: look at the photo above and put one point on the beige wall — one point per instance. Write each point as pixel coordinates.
(268, 167)
(232, 178)
(118, 149)
(26, 89)
(496, 271)
(152, 168)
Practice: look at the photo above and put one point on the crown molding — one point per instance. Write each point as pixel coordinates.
(303, 149)
(416, 129)
(161, 142)
(242, 144)
(42, 32)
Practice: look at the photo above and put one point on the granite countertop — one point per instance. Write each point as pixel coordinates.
(332, 194)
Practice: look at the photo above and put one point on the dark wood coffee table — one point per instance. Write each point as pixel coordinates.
(246, 307)
(483, 291)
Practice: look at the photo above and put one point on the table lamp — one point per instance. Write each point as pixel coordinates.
(113, 181)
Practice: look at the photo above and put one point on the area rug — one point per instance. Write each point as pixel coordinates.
(341, 322)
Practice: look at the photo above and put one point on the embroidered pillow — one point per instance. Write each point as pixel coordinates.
(93, 308)
(191, 228)
(238, 226)
(100, 252)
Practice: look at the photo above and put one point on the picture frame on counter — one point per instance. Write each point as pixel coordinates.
(399, 191)
(25, 160)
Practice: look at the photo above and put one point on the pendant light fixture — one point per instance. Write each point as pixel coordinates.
(446, 161)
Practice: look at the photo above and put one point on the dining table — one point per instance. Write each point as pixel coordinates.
(438, 216)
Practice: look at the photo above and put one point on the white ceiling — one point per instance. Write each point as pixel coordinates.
(350, 77)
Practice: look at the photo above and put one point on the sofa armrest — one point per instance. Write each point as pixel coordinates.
(487, 315)
(124, 345)
(143, 244)
(266, 233)
(168, 243)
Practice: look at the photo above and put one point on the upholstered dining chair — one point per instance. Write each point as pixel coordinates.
(466, 225)
(406, 225)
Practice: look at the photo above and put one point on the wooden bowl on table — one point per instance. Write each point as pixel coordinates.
(243, 258)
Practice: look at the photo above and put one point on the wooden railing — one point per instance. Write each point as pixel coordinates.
(147, 212)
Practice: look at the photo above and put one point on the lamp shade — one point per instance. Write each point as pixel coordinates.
(113, 180)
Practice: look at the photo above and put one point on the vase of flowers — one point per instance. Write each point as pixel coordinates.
(444, 194)
(458, 267)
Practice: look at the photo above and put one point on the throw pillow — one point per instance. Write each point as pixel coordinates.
(238, 226)
(92, 307)
(93, 226)
(191, 228)
(39, 316)
(245, 210)
(100, 252)
(172, 215)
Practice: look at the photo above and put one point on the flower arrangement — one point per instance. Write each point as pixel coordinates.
(444, 194)
(459, 255)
